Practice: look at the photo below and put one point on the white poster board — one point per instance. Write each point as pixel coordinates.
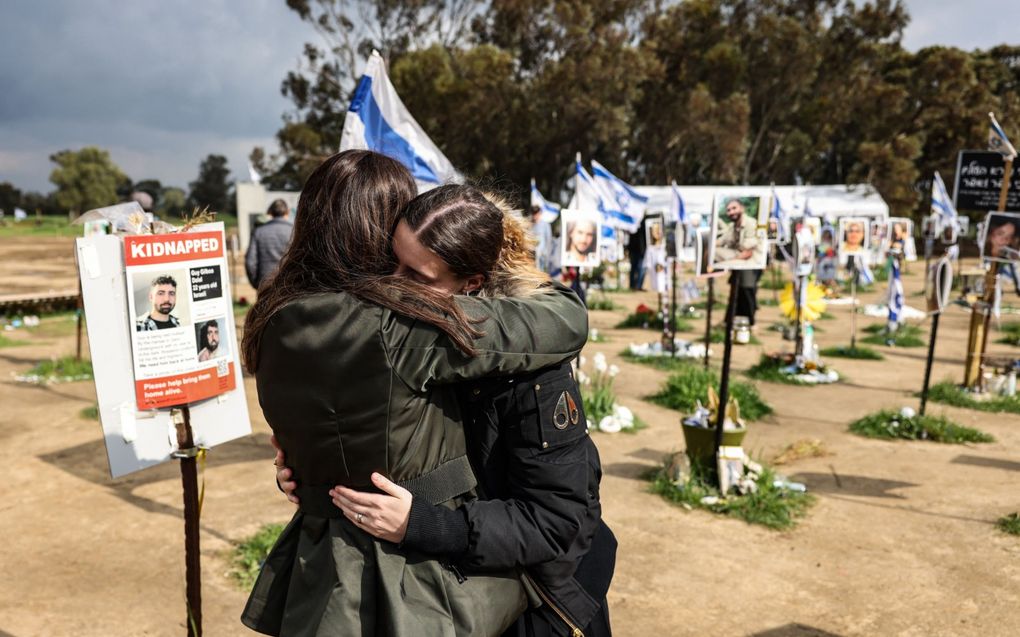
(579, 239)
(136, 438)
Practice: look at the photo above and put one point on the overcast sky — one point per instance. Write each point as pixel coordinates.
(163, 84)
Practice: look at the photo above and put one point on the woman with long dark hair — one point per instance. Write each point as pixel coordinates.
(526, 437)
(352, 364)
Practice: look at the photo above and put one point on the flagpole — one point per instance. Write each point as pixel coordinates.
(853, 302)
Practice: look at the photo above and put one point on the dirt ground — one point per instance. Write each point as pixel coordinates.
(901, 541)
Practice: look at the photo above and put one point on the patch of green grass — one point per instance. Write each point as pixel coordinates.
(10, 342)
(601, 302)
(703, 305)
(48, 226)
(768, 302)
(718, 335)
(891, 425)
(664, 363)
(1010, 334)
(66, 368)
(652, 322)
(826, 316)
(770, 506)
(248, 556)
(949, 393)
(860, 352)
(768, 283)
(769, 369)
(90, 413)
(683, 390)
(1009, 524)
(904, 336)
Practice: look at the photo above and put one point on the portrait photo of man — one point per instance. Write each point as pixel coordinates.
(738, 243)
(580, 239)
(162, 299)
(208, 333)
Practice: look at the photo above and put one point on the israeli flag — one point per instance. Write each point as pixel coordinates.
(866, 276)
(586, 196)
(377, 120)
(550, 211)
(253, 175)
(941, 204)
(895, 300)
(782, 219)
(998, 141)
(677, 210)
(623, 205)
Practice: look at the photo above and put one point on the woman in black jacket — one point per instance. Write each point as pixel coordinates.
(527, 438)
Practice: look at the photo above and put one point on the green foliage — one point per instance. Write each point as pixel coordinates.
(949, 393)
(860, 352)
(61, 369)
(904, 336)
(1009, 524)
(665, 363)
(597, 301)
(9, 342)
(40, 227)
(888, 424)
(770, 506)
(768, 302)
(1010, 334)
(90, 413)
(718, 335)
(703, 305)
(683, 390)
(768, 369)
(86, 179)
(211, 189)
(767, 282)
(248, 556)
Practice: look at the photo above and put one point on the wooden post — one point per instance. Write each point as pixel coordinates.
(724, 378)
(853, 303)
(931, 358)
(798, 339)
(186, 453)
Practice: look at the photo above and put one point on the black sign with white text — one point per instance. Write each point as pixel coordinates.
(979, 180)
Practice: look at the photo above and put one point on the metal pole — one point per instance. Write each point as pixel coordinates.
(189, 481)
(798, 336)
(724, 379)
(708, 317)
(853, 303)
(931, 358)
(672, 311)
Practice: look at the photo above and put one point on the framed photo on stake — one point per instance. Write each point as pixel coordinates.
(739, 235)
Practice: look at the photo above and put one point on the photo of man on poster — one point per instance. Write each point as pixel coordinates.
(162, 301)
(209, 340)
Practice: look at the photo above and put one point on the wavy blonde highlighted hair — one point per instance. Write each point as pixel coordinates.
(514, 273)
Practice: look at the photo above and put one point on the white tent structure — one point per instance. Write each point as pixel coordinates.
(830, 202)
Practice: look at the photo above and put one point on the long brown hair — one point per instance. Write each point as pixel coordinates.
(342, 243)
(477, 232)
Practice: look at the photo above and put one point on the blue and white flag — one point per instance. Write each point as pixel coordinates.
(624, 207)
(586, 196)
(998, 141)
(941, 204)
(549, 210)
(866, 276)
(895, 301)
(782, 220)
(377, 120)
(677, 210)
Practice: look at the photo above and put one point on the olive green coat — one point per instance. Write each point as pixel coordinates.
(350, 388)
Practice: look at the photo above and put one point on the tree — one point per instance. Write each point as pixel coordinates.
(86, 179)
(10, 197)
(211, 190)
(172, 202)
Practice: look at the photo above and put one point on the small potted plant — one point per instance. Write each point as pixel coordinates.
(699, 429)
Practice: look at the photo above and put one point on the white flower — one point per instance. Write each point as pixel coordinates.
(582, 361)
(591, 425)
(709, 500)
(600, 363)
(594, 334)
(582, 378)
(752, 466)
(908, 412)
(623, 414)
(610, 425)
(613, 371)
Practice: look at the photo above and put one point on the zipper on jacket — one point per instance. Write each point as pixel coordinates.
(574, 630)
(453, 569)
